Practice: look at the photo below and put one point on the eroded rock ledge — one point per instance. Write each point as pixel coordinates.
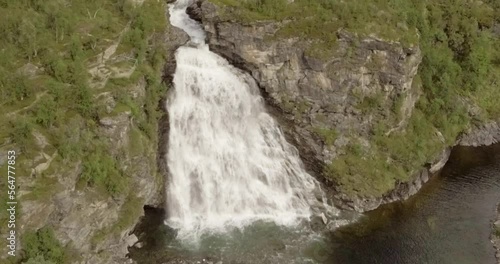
(484, 135)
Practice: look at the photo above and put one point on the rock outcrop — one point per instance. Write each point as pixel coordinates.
(316, 97)
(320, 102)
(483, 135)
(317, 92)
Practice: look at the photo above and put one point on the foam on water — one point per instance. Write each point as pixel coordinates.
(229, 162)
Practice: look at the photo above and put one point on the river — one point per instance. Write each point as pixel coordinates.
(238, 192)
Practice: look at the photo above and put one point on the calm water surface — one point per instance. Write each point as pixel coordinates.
(447, 222)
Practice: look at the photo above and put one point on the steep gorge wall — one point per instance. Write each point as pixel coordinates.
(96, 227)
(330, 106)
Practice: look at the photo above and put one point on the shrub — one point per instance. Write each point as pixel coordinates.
(21, 133)
(46, 112)
(84, 101)
(42, 244)
(14, 88)
(101, 170)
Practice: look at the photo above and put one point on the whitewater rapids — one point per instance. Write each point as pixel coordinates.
(228, 160)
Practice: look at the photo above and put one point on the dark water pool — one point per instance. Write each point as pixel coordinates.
(447, 222)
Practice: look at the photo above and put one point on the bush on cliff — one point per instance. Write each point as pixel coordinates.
(101, 170)
(42, 245)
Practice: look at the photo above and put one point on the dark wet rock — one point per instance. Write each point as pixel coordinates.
(483, 135)
(194, 11)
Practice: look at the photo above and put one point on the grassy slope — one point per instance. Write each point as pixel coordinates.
(60, 99)
(459, 62)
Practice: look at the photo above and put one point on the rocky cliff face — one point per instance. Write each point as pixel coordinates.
(95, 226)
(318, 93)
(483, 135)
(324, 104)
(328, 104)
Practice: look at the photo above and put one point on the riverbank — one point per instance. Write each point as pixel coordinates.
(449, 221)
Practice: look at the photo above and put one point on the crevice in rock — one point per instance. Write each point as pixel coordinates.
(150, 232)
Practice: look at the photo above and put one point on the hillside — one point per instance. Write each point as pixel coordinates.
(81, 84)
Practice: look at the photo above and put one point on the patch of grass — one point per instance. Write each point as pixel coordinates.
(43, 189)
(397, 105)
(319, 20)
(327, 135)
(389, 159)
(136, 142)
(101, 170)
(368, 175)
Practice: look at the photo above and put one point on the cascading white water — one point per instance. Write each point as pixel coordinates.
(229, 162)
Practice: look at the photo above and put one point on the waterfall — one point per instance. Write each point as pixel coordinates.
(228, 160)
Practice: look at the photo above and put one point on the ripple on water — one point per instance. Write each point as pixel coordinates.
(448, 221)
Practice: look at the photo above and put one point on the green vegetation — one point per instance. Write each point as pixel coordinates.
(53, 78)
(371, 103)
(41, 246)
(391, 158)
(460, 67)
(21, 133)
(327, 135)
(101, 170)
(459, 61)
(319, 20)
